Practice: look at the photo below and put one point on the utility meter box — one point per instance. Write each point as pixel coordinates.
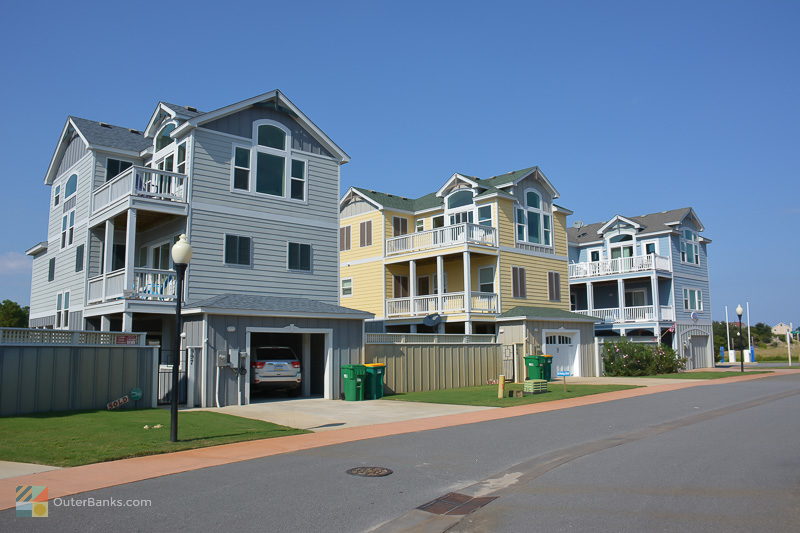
(222, 359)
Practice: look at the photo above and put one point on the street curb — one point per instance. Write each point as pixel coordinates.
(69, 481)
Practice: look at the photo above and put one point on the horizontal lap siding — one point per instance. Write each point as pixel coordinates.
(367, 287)
(43, 292)
(681, 269)
(424, 367)
(536, 269)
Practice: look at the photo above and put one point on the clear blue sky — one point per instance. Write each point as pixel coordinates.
(628, 107)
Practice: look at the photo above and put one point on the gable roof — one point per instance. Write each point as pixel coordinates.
(545, 313)
(650, 223)
(277, 97)
(490, 186)
(233, 303)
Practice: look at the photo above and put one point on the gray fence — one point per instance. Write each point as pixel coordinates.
(422, 364)
(39, 373)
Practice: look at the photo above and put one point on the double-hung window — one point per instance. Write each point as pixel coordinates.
(399, 226)
(62, 310)
(298, 185)
(67, 229)
(238, 250)
(486, 279)
(485, 215)
(692, 299)
(180, 165)
(347, 286)
(299, 256)
(241, 168)
(690, 247)
(419, 225)
(56, 195)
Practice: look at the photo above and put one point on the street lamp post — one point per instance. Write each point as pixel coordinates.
(181, 255)
(739, 312)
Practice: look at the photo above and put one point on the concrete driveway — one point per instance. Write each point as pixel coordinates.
(317, 414)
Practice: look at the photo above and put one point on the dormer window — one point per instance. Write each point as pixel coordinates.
(460, 207)
(271, 137)
(459, 199)
(621, 246)
(690, 247)
(534, 224)
(163, 138)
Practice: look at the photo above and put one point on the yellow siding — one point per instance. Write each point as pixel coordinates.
(560, 233)
(536, 269)
(367, 288)
(357, 252)
(505, 221)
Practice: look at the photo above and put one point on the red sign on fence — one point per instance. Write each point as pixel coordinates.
(127, 339)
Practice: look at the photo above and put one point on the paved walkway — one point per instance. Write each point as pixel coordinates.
(85, 478)
(10, 469)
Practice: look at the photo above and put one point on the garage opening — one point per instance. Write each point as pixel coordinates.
(286, 365)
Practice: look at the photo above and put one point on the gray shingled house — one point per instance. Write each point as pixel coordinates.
(254, 185)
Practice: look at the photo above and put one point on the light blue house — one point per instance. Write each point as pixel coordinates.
(645, 276)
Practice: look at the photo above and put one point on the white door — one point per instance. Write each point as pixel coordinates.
(564, 349)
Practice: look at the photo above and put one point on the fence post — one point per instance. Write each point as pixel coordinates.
(597, 359)
(154, 380)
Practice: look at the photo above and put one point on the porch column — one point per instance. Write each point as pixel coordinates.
(130, 250)
(108, 254)
(621, 298)
(656, 300)
(440, 280)
(590, 296)
(467, 285)
(467, 327)
(412, 285)
(105, 323)
(306, 365)
(127, 321)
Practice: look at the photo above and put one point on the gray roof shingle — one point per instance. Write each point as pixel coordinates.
(650, 223)
(183, 110)
(274, 304)
(102, 134)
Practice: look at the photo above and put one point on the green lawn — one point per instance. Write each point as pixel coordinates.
(77, 438)
(711, 374)
(487, 394)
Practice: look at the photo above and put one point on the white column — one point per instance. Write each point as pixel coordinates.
(412, 284)
(108, 253)
(656, 299)
(130, 250)
(127, 321)
(467, 327)
(105, 323)
(306, 365)
(590, 296)
(621, 298)
(440, 280)
(467, 284)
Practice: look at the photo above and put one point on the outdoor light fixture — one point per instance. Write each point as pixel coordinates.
(181, 255)
(739, 312)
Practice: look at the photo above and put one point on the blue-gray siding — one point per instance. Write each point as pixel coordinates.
(74, 151)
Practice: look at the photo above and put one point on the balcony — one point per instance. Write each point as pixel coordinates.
(625, 315)
(451, 303)
(441, 237)
(149, 185)
(620, 265)
(148, 284)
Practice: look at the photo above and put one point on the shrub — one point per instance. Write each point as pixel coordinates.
(626, 358)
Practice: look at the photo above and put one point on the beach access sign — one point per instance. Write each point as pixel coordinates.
(563, 373)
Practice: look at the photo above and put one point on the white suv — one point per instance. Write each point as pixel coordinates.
(275, 367)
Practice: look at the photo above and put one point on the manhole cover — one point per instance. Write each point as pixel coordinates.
(369, 471)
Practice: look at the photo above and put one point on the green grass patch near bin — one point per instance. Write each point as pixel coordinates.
(83, 437)
(711, 374)
(486, 395)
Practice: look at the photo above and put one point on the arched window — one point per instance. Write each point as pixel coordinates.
(271, 137)
(163, 139)
(534, 223)
(621, 245)
(71, 186)
(460, 207)
(459, 199)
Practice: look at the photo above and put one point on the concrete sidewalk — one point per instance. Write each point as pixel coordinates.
(10, 469)
(85, 478)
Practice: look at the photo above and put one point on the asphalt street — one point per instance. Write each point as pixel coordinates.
(721, 457)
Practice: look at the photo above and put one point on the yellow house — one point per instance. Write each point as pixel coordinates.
(458, 260)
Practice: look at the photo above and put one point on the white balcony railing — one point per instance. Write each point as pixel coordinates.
(620, 265)
(426, 338)
(64, 336)
(148, 284)
(642, 313)
(142, 182)
(451, 302)
(440, 237)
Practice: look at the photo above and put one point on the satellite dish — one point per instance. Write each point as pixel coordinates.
(578, 224)
(432, 320)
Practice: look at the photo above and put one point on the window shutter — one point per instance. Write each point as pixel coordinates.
(51, 269)
(518, 282)
(344, 238)
(365, 231)
(79, 258)
(554, 286)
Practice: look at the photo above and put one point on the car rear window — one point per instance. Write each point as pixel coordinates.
(272, 352)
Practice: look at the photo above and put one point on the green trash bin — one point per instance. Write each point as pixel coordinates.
(374, 388)
(547, 366)
(354, 377)
(533, 367)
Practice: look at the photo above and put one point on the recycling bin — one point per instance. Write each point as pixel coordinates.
(533, 367)
(354, 378)
(374, 381)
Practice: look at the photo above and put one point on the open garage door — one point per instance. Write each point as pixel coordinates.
(273, 373)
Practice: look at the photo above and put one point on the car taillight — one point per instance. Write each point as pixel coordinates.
(295, 364)
(257, 364)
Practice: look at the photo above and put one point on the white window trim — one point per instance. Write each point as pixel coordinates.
(105, 167)
(687, 300)
(61, 232)
(341, 288)
(64, 196)
(310, 257)
(637, 290)
(286, 154)
(62, 324)
(158, 155)
(599, 251)
(292, 157)
(462, 209)
(393, 219)
(545, 210)
(157, 244)
(249, 149)
(490, 267)
(695, 243)
(419, 225)
(185, 144)
(654, 242)
(235, 265)
(491, 214)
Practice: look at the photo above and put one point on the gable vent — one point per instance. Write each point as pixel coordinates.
(192, 109)
(103, 124)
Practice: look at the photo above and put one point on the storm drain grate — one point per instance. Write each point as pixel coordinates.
(455, 504)
(369, 471)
